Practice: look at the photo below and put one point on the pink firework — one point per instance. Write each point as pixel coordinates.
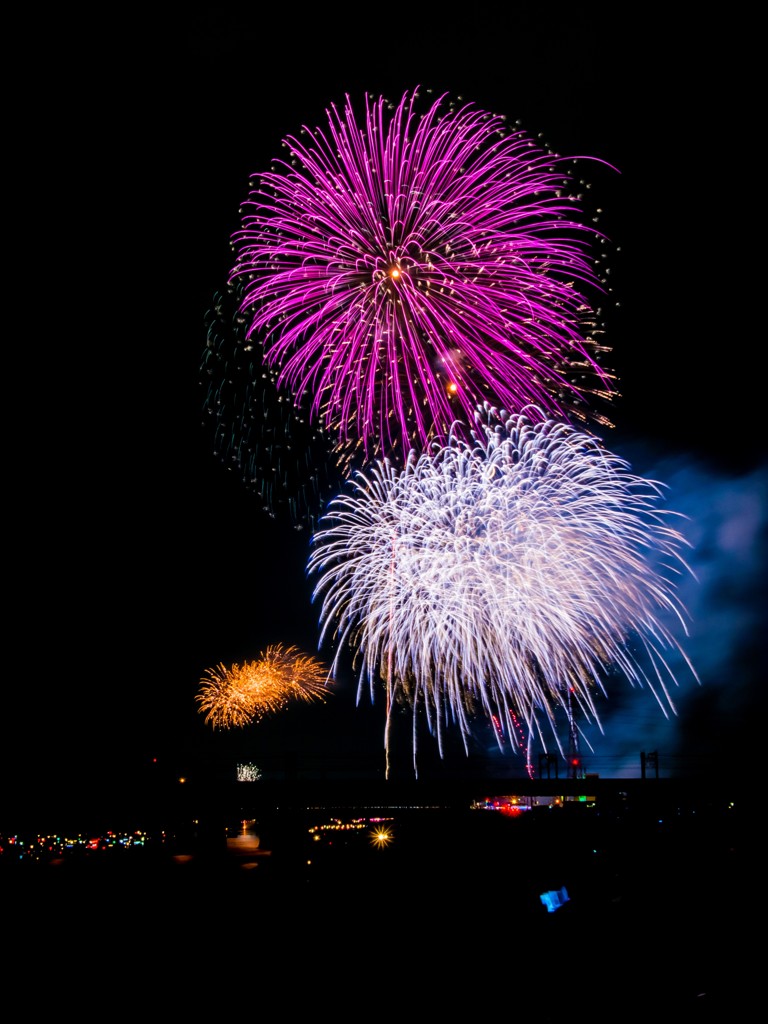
(400, 270)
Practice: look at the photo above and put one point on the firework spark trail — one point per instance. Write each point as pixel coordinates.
(257, 429)
(403, 271)
(242, 694)
(506, 575)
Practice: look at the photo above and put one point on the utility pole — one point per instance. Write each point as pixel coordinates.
(649, 760)
(547, 762)
(575, 767)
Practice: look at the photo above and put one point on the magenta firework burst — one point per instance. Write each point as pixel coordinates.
(504, 578)
(403, 268)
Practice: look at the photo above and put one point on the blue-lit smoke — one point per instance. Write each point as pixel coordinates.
(717, 720)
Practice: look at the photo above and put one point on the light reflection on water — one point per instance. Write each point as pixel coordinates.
(246, 846)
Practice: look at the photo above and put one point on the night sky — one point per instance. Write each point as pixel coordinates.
(142, 561)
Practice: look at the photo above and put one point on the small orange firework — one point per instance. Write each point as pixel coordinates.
(237, 696)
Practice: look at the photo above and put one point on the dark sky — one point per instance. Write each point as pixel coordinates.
(141, 561)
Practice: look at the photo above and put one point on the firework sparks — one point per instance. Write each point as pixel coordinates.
(241, 694)
(505, 577)
(248, 773)
(402, 272)
(257, 429)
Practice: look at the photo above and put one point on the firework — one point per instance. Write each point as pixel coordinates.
(401, 271)
(502, 578)
(241, 694)
(257, 429)
(248, 773)
(225, 696)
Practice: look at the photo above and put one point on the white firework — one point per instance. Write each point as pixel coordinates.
(502, 577)
(248, 773)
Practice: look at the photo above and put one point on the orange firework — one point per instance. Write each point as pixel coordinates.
(239, 695)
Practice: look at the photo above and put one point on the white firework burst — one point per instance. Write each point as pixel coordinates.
(503, 577)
